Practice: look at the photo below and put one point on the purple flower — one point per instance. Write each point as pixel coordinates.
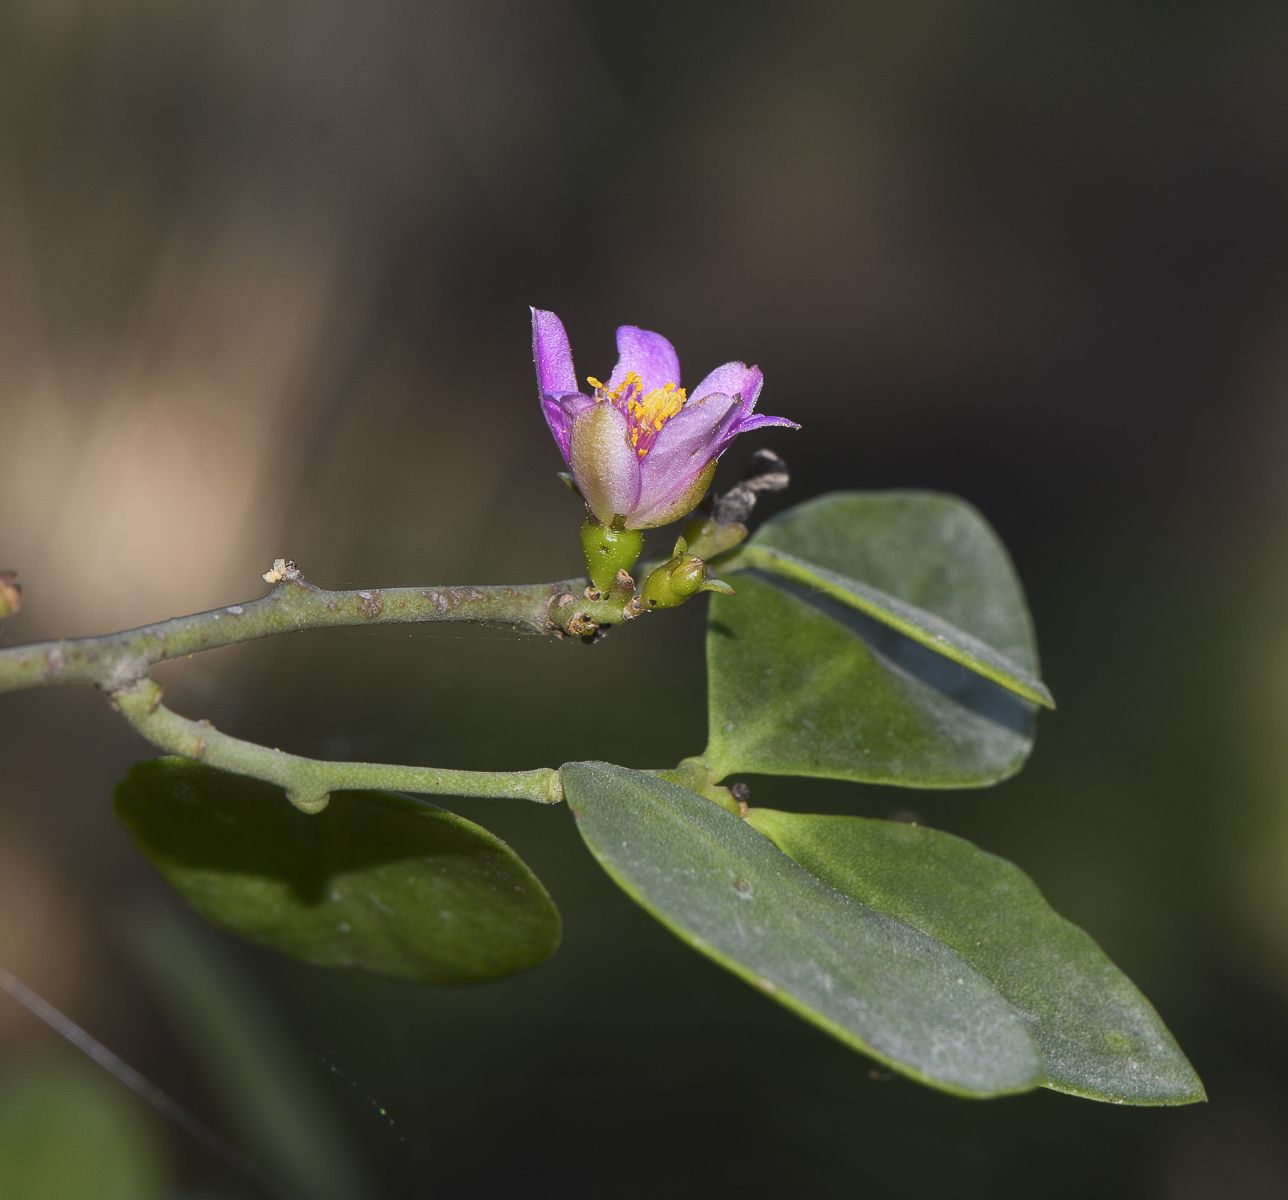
(638, 447)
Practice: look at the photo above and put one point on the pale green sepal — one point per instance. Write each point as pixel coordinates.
(603, 462)
(686, 502)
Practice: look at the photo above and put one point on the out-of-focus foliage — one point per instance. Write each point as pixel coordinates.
(268, 1096)
(69, 1132)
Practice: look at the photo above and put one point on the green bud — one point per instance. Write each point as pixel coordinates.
(674, 582)
(608, 551)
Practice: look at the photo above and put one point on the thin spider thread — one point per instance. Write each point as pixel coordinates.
(325, 1060)
(39, 1007)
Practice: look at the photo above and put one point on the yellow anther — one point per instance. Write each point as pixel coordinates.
(647, 413)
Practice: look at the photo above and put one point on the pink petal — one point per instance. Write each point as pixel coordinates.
(560, 425)
(747, 424)
(688, 443)
(733, 379)
(759, 421)
(649, 355)
(560, 413)
(552, 355)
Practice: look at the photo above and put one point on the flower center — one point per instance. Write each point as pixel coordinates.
(646, 413)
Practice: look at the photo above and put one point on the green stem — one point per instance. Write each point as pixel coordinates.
(694, 774)
(116, 660)
(119, 664)
(308, 781)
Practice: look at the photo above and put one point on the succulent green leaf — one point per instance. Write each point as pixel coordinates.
(876, 983)
(804, 679)
(915, 623)
(1099, 1037)
(376, 880)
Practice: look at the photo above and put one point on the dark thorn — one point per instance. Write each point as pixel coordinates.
(766, 472)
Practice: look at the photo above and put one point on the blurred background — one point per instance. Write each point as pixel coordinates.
(264, 276)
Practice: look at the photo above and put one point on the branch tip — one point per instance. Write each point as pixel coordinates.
(283, 569)
(10, 593)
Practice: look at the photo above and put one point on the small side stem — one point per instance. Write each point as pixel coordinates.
(694, 774)
(308, 781)
(119, 664)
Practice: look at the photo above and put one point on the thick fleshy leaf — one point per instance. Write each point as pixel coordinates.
(803, 684)
(916, 623)
(375, 880)
(1099, 1037)
(874, 982)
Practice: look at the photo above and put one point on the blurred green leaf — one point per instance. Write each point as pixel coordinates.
(269, 1096)
(802, 684)
(875, 983)
(1099, 1037)
(67, 1132)
(376, 880)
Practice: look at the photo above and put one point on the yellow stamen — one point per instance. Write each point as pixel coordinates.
(654, 411)
(647, 414)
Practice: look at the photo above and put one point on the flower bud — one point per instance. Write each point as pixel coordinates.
(608, 551)
(674, 582)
